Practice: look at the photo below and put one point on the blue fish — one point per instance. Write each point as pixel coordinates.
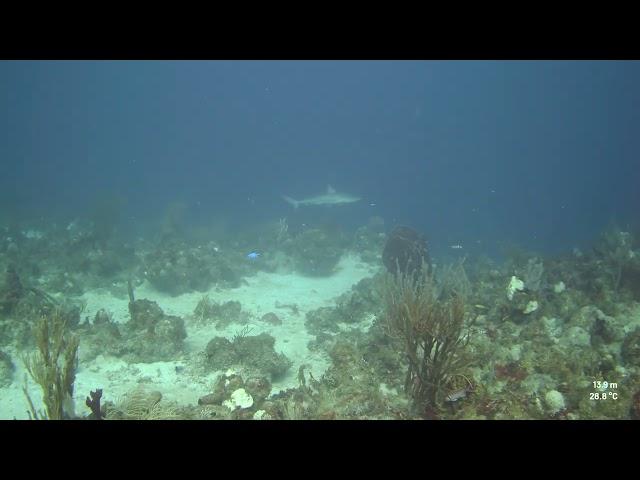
(253, 255)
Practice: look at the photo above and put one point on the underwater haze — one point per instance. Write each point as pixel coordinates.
(542, 153)
(179, 216)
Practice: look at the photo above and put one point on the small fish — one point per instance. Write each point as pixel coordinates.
(253, 255)
(457, 395)
(456, 247)
(460, 393)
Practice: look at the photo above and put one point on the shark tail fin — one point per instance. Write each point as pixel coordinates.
(291, 201)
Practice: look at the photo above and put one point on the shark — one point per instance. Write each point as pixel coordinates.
(330, 197)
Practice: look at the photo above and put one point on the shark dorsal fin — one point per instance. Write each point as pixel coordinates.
(330, 189)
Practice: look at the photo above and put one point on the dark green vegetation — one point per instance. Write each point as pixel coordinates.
(149, 336)
(432, 329)
(53, 367)
(255, 353)
(175, 267)
(221, 315)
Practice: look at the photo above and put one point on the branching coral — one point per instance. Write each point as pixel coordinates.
(431, 328)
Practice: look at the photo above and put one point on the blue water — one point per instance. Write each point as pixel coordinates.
(481, 154)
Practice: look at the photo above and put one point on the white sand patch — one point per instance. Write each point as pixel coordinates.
(258, 297)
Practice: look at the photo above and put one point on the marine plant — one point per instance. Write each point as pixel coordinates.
(53, 367)
(431, 328)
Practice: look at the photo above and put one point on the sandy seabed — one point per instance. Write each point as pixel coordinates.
(185, 385)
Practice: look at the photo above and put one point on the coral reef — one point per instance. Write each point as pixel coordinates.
(354, 306)
(156, 336)
(236, 398)
(221, 315)
(175, 268)
(478, 338)
(149, 336)
(101, 337)
(255, 353)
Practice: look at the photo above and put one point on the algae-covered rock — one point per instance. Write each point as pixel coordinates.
(322, 320)
(631, 348)
(258, 387)
(144, 314)
(220, 353)
(177, 268)
(148, 336)
(360, 302)
(316, 252)
(220, 314)
(271, 318)
(6, 369)
(258, 352)
(354, 306)
(254, 352)
(102, 337)
(605, 330)
(11, 291)
(576, 337)
(232, 392)
(151, 335)
(587, 316)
